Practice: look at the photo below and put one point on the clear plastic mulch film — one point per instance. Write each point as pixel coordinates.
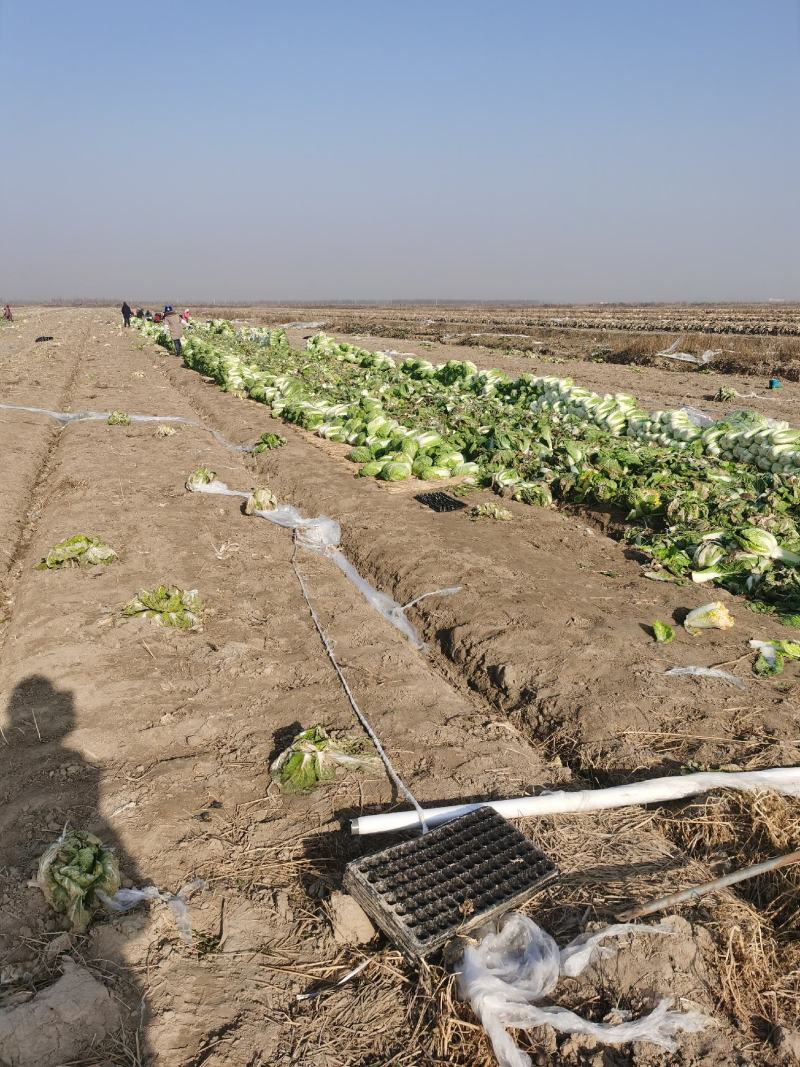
(68, 417)
(511, 969)
(127, 899)
(707, 672)
(322, 535)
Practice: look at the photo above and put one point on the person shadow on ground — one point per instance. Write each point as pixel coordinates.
(45, 785)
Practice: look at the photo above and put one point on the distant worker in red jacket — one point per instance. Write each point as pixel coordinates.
(7, 313)
(173, 321)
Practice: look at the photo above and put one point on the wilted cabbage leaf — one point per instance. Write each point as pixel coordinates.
(313, 758)
(77, 550)
(118, 418)
(71, 872)
(171, 606)
(662, 632)
(260, 500)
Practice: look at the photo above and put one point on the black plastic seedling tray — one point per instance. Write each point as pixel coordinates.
(440, 501)
(422, 892)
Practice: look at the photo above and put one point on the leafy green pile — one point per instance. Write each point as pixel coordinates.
(268, 441)
(313, 757)
(706, 502)
(170, 606)
(118, 418)
(490, 511)
(76, 551)
(73, 870)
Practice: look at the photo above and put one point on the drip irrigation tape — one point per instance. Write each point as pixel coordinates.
(395, 777)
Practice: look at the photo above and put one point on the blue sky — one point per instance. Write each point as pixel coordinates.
(485, 150)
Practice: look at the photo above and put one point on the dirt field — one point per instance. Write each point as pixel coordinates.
(538, 674)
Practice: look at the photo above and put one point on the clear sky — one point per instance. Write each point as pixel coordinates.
(191, 150)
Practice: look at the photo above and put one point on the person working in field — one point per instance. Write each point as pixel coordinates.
(7, 315)
(126, 313)
(173, 321)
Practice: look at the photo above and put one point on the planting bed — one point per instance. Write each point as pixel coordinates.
(539, 673)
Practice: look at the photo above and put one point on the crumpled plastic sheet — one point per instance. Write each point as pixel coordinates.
(765, 649)
(127, 899)
(322, 535)
(708, 672)
(673, 353)
(511, 970)
(697, 417)
(67, 417)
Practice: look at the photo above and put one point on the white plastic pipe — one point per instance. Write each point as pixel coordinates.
(778, 779)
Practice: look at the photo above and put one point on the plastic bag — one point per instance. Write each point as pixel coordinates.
(509, 971)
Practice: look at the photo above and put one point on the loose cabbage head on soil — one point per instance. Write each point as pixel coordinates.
(76, 551)
(313, 757)
(260, 500)
(73, 870)
(268, 441)
(200, 477)
(169, 606)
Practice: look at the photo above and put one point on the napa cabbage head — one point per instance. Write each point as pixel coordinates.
(763, 543)
(260, 500)
(394, 472)
(712, 616)
(199, 477)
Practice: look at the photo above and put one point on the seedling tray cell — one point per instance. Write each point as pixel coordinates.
(423, 892)
(440, 501)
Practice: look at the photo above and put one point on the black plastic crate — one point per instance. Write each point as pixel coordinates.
(440, 501)
(423, 892)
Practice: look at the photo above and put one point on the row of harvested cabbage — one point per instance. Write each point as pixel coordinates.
(706, 501)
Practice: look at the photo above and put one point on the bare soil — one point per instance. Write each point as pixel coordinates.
(539, 674)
